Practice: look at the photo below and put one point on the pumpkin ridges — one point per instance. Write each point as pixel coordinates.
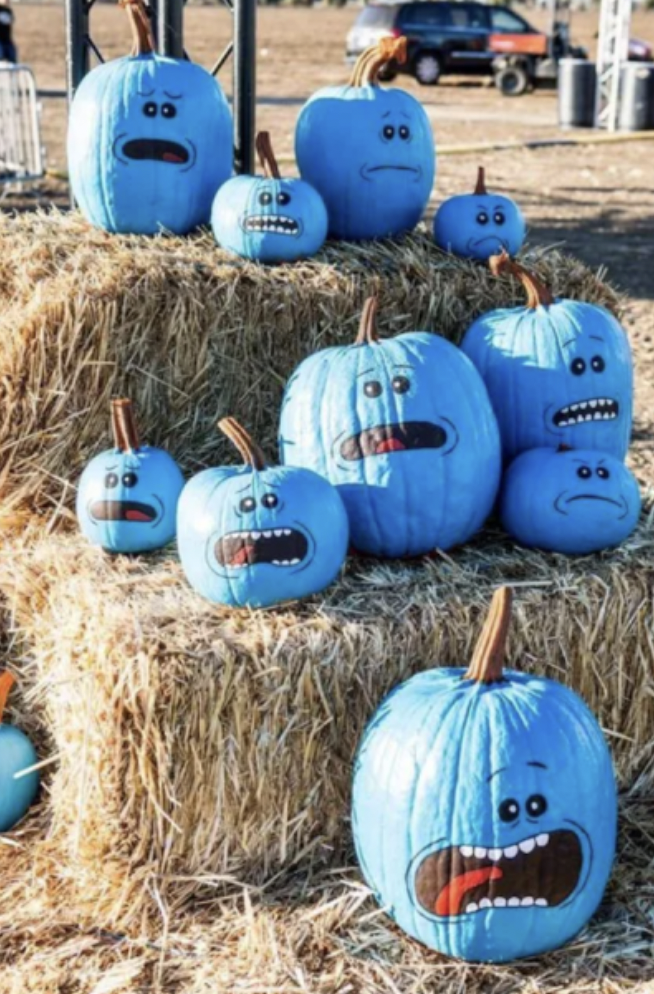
(6, 683)
(480, 188)
(488, 657)
(266, 155)
(124, 425)
(251, 452)
(372, 59)
(538, 295)
(367, 334)
(143, 40)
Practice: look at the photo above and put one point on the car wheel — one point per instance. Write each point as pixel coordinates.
(512, 81)
(427, 68)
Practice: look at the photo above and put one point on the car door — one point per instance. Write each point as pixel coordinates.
(468, 42)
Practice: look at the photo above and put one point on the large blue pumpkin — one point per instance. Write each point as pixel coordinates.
(256, 535)
(557, 371)
(484, 807)
(127, 496)
(405, 431)
(569, 500)
(480, 224)
(269, 219)
(149, 140)
(16, 755)
(368, 151)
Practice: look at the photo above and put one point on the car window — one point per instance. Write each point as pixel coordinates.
(464, 15)
(430, 15)
(505, 21)
(380, 16)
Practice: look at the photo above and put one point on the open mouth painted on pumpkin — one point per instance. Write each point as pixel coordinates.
(270, 223)
(384, 439)
(157, 149)
(598, 409)
(541, 871)
(275, 546)
(123, 510)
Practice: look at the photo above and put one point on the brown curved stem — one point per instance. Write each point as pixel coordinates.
(538, 295)
(238, 436)
(6, 683)
(372, 59)
(142, 37)
(488, 658)
(480, 189)
(266, 155)
(367, 334)
(124, 425)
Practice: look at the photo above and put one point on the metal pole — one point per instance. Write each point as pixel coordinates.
(168, 18)
(77, 50)
(245, 16)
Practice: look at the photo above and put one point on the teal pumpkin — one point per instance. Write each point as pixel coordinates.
(269, 219)
(149, 140)
(480, 224)
(484, 807)
(558, 372)
(17, 753)
(368, 151)
(569, 500)
(256, 535)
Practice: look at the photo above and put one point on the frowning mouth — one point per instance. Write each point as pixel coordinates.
(271, 223)
(275, 546)
(494, 239)
(156, 149)
(366, 171)
(384, 439)
(541, 871)
(562, 499)
(598, 409)
(122, 510)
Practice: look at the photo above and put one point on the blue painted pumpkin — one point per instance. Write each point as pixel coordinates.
(17, 753)
(269, 219)
(256, 535)
(149, 140)
(557, 371)
(569, 500)
(127, 496)
(368, 151)
(405, 431)
(480, 224)
(484, 807)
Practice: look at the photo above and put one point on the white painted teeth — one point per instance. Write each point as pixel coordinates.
(542, 840)
(271, 222)
(541, 902)
(279, 532)
(501, 902)
(267, 534)
(513, 902)
(480, 852)
(527, 902)
(466, 851)
(527, 846)
(471, 907)
(494, 854)
(485, 903)
(598, 409)
(511, 852)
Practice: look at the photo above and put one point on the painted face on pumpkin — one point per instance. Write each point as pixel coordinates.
(156, 127)
(394, 155)
(588, 361)
(480, 224)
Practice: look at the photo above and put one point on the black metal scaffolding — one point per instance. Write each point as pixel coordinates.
(168, 24)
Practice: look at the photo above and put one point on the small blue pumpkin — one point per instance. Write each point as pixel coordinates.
(149, 140)
(368, 151)
(405, 431)
(17, 789)
(127, 496)
(480, 224)
(269, 219)
(484, 807)
(557, 371)
(569, 500)
(256, 535)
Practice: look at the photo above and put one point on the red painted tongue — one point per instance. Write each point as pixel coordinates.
(450, 899)
(172, 157)
(242, 556)
(390, 445)
(134, 515)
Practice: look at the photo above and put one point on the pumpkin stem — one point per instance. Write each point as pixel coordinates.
(142, 37)
(538, 295)
(372, 59)
(251, 452)
(6, 683)
(480, 189)
(124, 426)
(266, 155)
(486, 665)
(367, 334)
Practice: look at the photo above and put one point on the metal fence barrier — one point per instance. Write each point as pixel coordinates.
(21, 153)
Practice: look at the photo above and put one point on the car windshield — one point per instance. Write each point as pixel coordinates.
(376, 16)
(465, 15)
(427, 14)
(505, 21)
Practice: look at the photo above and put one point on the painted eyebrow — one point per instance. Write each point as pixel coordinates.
(387, 114)
(173, 96)
(597, 338)
(404, 114)
(403, 365)
(534, 762)
(501, 770)
(148, 94)
(365, 372)
(570, 341)
(582, 462)
(108, 469)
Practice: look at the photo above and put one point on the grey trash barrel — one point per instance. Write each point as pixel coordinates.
(637, 96)
(576, 84)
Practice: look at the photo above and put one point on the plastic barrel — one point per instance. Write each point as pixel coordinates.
(576, 85)
(637, 96)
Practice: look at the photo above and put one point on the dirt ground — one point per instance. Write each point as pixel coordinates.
(598, 200)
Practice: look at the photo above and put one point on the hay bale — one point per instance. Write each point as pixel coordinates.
(200, 746)
(192, 334)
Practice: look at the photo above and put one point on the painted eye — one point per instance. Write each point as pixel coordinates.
(597, 364)
(482, 217)
(111, 480)
(150, 109)
(499, 218)
(168, 110)
(509, 809)
(584, 472)
(265, 199)
(372, 388)
(270, 500)
(248, 504)
(404, 132)
(536, 805)
(389, 132)
(130, 479)
(577, 367)
(283, 198)
(603, 473)
(401, 384)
